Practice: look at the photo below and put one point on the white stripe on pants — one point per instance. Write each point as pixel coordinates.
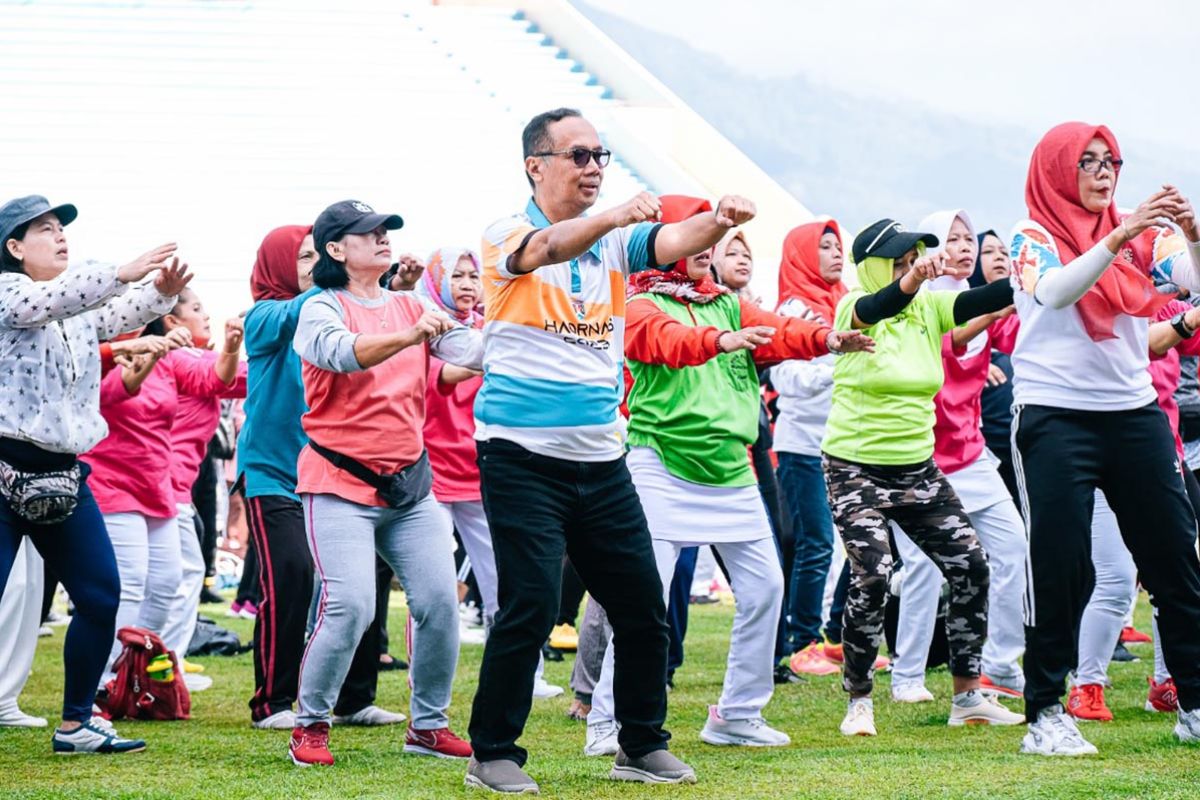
(1001, 531)
(20, 618)
(344, 538)
(181, 624)
(1104, 616)
(757, 580)
(147, 551)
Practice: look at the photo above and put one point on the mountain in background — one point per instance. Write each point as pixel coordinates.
(859, 158)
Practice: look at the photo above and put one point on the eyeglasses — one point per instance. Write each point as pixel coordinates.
(1092, 166)
(580, 155)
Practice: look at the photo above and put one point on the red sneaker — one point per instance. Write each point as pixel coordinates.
(1132, 635)
(835, 653)
(310, 745)
(809, 661)
(987, 685)
(1162, 696)
(441, 743)
(1087, 703)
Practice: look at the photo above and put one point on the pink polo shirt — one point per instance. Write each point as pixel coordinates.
(450, 436)
(958, 437)
(374, 416)
(131, 467)
(196, 420)
(1165, 370)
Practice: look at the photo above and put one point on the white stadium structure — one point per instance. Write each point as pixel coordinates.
(208, 122)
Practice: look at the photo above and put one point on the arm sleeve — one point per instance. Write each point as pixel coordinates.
(982, 300)
(132, 310)
(887, 302)
(652, 336)
(794, 338)
(322, 338)
(271, 324)
(25, 303)
(1059, 287)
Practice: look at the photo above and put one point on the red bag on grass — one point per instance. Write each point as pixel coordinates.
(149, 682)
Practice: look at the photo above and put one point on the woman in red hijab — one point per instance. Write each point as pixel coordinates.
(1086, 417)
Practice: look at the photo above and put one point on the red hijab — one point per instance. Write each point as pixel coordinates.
(274, 275)
(675, 281)
(1052, 194)
(800, 270)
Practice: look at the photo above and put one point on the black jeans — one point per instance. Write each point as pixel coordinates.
(1061, 457)
(285, 585)
(538, 508)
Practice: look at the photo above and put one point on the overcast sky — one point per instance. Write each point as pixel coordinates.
(1024, 62)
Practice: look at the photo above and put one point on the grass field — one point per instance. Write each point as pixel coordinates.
(218, 755)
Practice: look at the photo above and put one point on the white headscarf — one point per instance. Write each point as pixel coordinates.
(939, 223)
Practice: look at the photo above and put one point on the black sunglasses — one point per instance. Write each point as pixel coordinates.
(580, 155)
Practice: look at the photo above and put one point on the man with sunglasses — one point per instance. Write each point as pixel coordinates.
(551, 444)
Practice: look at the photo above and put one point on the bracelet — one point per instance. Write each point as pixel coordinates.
(721, 349)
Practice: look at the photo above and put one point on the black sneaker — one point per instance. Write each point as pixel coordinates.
(1120, 653)
(550, 654)
(783, 674)
(207, 595)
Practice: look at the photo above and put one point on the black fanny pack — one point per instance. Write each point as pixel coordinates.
(402, 491)
(44, 498)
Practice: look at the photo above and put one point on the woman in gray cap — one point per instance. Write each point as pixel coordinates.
(51, 323)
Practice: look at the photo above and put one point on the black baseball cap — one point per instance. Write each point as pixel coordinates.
(17, 212)
(350, 216)
(888, 239)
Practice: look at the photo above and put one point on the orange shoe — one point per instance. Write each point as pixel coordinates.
(809, 661)
(988, 686)
(1162, 696)
(1132, 635)
(836, 654)
(1087, 703)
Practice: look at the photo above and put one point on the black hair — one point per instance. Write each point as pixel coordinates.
(536, 137)
(158, 327)
(329, 273)
(9, 262)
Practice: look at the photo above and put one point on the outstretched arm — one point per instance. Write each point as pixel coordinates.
(696, 234)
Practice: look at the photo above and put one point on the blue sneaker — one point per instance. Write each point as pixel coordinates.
(94, 736)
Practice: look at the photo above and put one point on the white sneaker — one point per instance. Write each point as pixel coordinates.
(16, 718)
(371, 716)
(1187, 729)
(468, 634)
(471, 614)
(602, 738)
(196, 682)
(45, 630)
(543, 690)
(749, 732)
(987, 711)
(860, 718)
(279, 721)
(1055, 734)
(911, 693)
(94, 736)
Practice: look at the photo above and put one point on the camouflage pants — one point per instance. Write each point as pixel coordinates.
(921, 501)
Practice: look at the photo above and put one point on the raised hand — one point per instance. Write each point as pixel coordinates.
(179, 337)
(1185, 215)
(146, 263)
(849, 342)
(234, 333)
(733, 211)
(643, 207)
(431, 325)
(926, 268)
(1159, 208)
(172, 279)
(745, 339)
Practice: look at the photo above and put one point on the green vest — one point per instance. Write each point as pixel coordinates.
(699, 420)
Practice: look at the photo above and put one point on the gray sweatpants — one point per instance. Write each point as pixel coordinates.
(343, 538)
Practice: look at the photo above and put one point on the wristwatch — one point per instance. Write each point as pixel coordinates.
(1181, 327)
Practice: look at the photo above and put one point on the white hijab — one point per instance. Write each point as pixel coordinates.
(939, 223)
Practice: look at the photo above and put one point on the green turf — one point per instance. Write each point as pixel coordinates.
(218, 755)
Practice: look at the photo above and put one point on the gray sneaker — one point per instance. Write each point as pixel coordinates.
(657, 766)
(501, 776)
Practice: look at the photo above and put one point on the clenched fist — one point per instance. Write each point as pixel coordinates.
(733, 211)
(644, 207)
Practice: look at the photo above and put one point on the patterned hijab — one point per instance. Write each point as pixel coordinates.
(435, 284)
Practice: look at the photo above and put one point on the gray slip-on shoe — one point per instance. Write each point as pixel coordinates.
(501, 776)
(657, 766)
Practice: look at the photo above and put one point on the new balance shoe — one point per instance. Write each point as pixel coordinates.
(439, 743)
(602, 738)
(279, 721)
(1162, 697)
(1187, 729)
(911, 693)
(1086, 702)
(501, 776)
(370, 716)
(811, 661)
(543, 690)
(657, 766)
(96, 736)
(310, 745)
(977, 708)
(1007, 686)
(749, 732)
(1054, 734)
(860, 718)
(1131, 635)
